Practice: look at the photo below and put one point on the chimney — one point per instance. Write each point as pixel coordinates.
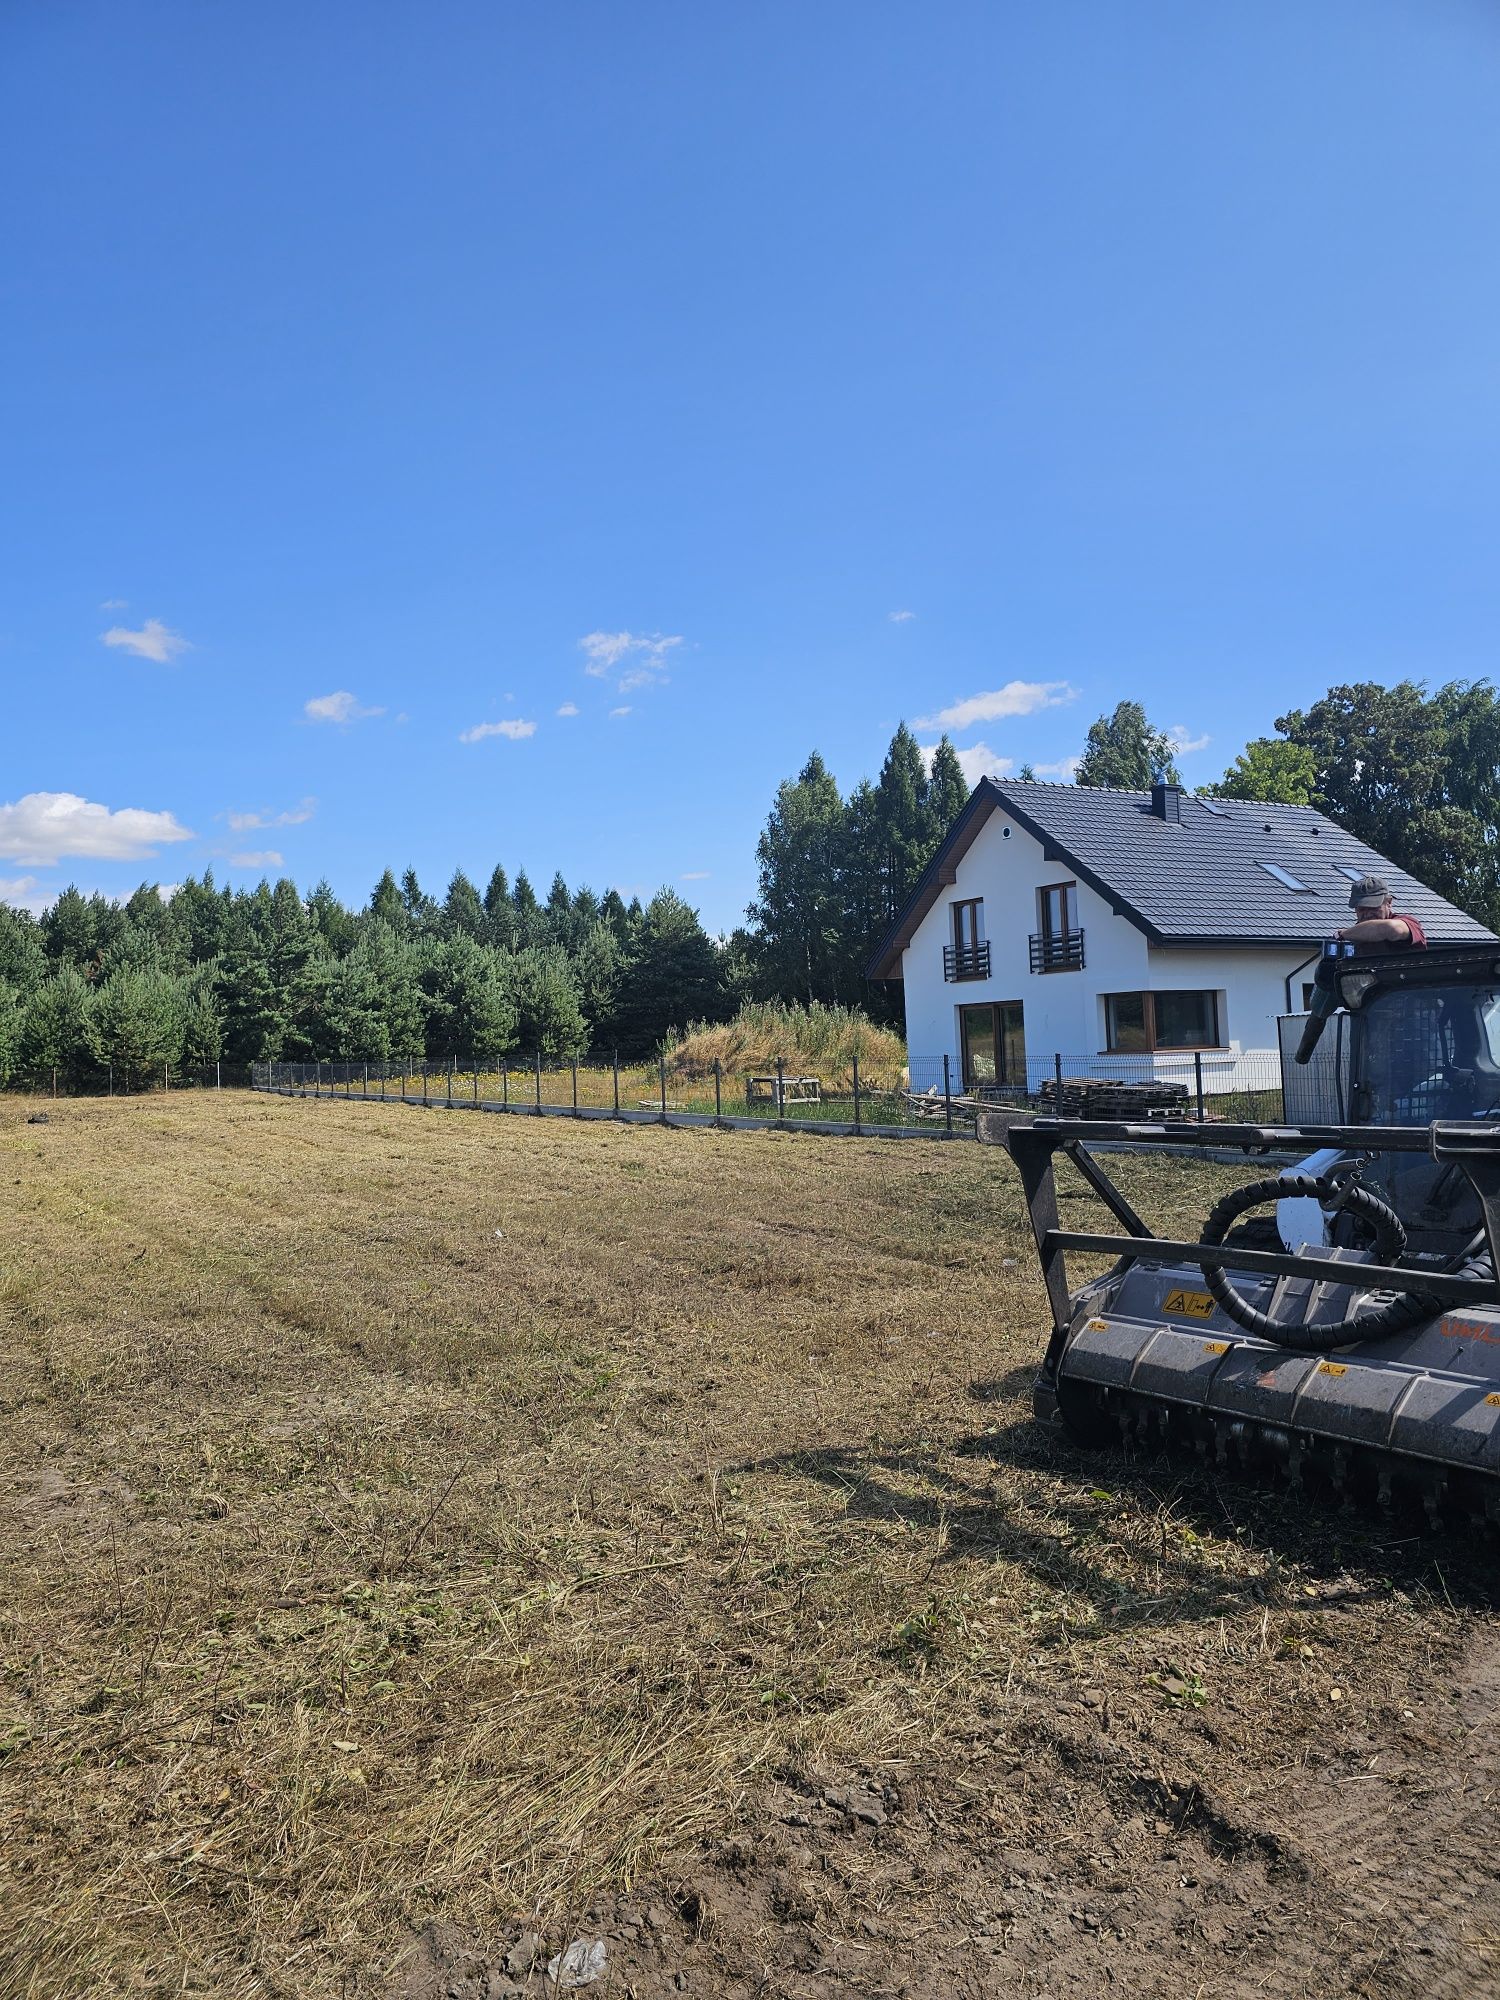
(1166, 800)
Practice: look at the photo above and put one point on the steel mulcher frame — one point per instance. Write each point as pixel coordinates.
(1383, 1380)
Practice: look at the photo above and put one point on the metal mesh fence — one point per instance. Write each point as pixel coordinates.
(113, 1080)
(924, 1096)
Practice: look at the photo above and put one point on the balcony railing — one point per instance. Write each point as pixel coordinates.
(966, 961)
(1057, 954)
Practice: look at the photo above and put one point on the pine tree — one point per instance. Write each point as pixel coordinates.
(947, 795)
(55, 1028)
(500, 912)
(334, 928)
(135, 1025)
(672, 977)
(598, 961)
(530, 929)
(23, 960)
(386, 906)
(799, 913)
(10, 1031)
(901, 818)
(462, 910)
(421, 911)
(548, 1015)
(471, 1014)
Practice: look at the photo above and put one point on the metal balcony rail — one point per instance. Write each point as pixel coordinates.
(966, 961)
(1057, 954)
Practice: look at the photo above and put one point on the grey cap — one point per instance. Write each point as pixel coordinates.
(1368, 889)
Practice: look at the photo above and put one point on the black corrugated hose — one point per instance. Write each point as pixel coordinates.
(1406, 1310)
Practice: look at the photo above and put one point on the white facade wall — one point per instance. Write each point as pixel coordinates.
(1064, 1011)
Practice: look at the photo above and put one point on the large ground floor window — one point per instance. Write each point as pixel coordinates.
(1137, 1023)
(993, 1044)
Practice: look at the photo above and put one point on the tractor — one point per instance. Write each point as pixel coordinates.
(1357, 1335)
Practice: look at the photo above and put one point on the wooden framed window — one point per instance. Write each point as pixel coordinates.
(968, 924)
(1058, 910)
(1138, 1023)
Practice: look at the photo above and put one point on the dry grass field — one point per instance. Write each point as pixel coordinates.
(429, 1538)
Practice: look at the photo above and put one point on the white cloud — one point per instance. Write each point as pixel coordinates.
(647, 650)
(340, 707)
(512, 727)
(1184, 744)
(900, 617)
(621, 711)
(568, 708)
(1062, 769)
(152, 642)
(978, 761)
(43, 827)
(1015, 698)
(251, 822)
(23, 892)
(263, 858)
(694, 875)
(114, 604)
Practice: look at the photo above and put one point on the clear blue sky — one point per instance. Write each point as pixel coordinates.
(387, 353)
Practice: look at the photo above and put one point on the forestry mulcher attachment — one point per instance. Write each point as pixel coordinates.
(1372, 1354)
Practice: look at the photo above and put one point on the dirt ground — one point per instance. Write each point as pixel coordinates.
(428, 1540)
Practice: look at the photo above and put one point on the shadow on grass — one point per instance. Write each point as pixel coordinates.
(1219, 1543)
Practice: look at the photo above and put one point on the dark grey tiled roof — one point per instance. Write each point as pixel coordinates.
(1199, 880)
(1204, 877)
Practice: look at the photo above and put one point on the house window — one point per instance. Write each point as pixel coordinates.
(1137, 1023)
(968, 924)
(1059, 910)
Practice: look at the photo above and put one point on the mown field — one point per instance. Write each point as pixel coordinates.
(426, 1539)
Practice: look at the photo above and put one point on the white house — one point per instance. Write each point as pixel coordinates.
(1104, 925)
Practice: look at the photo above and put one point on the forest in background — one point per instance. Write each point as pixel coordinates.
(95, 987)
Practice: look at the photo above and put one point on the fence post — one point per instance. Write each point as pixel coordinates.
(661, 1064)
(317, 1078)
(166, 1079)
(426, 1099)
(382, 1082)
(856, 1093)
(476, 1079)
(218, 1076)
(54, 1079)
(947, 1096)
(718, 1092)
(781, 1090)
(538, 1083)
(617, 1083)
(505, 1083)
(1198, 1080)
(450, 1079)
(1057, 1082)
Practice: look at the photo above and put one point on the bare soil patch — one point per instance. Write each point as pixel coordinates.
(426, 1540)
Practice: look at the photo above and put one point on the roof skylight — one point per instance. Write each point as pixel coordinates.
(1284, 876)
(1210, 805)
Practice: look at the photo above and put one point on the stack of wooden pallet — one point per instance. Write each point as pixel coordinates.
(1103, 1097)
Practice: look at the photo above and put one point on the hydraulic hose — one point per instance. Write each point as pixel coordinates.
(1406, 1310)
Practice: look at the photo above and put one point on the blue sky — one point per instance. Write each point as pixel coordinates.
(668, 390)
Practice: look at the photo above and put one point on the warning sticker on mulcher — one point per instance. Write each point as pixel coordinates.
(1191, 1305)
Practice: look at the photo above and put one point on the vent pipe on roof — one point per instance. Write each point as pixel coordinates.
(1166, 800)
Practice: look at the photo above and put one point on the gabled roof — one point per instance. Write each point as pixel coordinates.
(1200, 880)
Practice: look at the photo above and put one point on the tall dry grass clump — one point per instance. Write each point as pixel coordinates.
(814, 1040)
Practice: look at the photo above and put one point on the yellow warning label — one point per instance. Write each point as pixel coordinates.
(1192, 1305)
(1216, 1347)
(1098, 1326)
(1332, 1368)
(1493, 1401)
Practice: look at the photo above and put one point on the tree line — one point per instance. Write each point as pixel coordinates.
(243, 975)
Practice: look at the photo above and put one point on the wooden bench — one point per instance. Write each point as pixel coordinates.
(783, 1090)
